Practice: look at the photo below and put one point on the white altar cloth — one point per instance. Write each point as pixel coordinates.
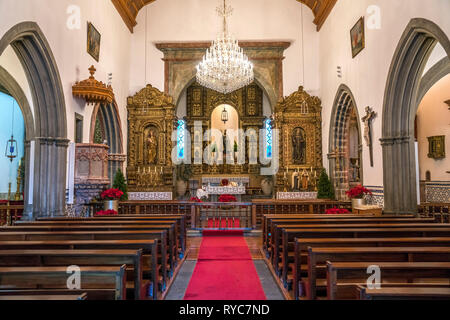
(225, 190)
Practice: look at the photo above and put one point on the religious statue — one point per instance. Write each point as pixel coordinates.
(367, 119)
(152, 147)
(305, 180)
(299, 146)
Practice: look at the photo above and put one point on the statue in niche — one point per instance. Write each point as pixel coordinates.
(299, 146)
(152, 147)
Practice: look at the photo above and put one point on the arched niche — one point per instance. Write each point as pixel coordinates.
(345, 146)
(48, 147)
(106, 127)
(399, 111)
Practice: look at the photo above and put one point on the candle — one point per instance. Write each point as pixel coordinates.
(161, 170)
(155, 170)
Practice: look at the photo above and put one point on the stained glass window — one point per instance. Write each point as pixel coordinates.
(181, 138)
(269, 140)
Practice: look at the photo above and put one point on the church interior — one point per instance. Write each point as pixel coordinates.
(224, 150)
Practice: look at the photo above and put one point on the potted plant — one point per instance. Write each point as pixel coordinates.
(357, 195)
(325, 187)
(111, 198)
(184, 173)
(267, 185)
(120, 183)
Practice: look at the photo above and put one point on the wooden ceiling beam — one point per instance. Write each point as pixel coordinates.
(129, 9)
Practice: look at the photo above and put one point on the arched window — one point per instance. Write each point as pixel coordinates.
(181, 138)
(269, 140)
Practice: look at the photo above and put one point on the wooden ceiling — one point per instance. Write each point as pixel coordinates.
(129, 9)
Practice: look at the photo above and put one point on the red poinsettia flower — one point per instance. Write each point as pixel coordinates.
(112, 194)
(196, 199)
(227, 198)
(358, 192)
(337, 211)
(107, 213)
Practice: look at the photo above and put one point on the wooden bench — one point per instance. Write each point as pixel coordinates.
(343, 276)
(317, 258)
(170, 228)
(122, 219)
(151, 264)
(31, 278)
(403, 293)
(289, 235)
(160, 235)
(302, 245)
(272, 222)
(48, 258)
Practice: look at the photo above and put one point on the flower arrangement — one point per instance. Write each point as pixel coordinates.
(196, 199)
(227, 198)
(358, 192)
(107, 213)
(224, 182)
(337, 211)
(112, 194)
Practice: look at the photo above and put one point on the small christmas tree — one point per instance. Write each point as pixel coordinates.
(119, 183)
(325, 188)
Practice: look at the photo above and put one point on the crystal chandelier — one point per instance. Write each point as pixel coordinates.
(225, 68)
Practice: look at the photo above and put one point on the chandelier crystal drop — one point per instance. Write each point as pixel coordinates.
(225, 68)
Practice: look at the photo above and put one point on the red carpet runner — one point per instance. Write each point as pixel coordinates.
(224, 271)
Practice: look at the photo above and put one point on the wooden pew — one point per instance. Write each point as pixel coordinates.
(149, 248)
(171, 232)
(317, 258)
(275, 226)
(49, 258)
(31, 278)
(371, 231)
(302, 245)
(403, 293)
(378, 220)
(61, 297)
(126, 219)
(160, 235)
(343, 276)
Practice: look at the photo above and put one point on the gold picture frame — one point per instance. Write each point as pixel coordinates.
(93, 41)
(436, 147)
(358, 37)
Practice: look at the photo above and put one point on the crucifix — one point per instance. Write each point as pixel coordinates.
(367, 119)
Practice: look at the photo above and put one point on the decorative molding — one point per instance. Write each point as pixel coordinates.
(150, 196)
(129, 9)
(93, 91)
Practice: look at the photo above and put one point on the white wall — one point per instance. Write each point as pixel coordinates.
(196, 20)
(366, 75)
(69, 48)
(433, 119)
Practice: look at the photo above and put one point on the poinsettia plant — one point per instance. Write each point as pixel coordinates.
(112, 194)
(358, 192)
(107, 213)
(337, 211)
(227, 198)
(196, 199)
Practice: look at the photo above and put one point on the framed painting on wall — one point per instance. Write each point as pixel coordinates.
(357, 36)
(436, 147)
(93, 42)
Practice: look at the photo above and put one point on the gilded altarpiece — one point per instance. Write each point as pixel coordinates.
(248, 103)
(151, 115)
(299, 121)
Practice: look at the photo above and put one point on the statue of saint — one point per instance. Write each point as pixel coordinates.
(299, 146)
(152, 148)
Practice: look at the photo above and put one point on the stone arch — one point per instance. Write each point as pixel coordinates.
(109, 116)
(399, 110)
(339, 138)
(49, 146)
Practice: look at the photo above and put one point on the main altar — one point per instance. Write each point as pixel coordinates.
(152, 172)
